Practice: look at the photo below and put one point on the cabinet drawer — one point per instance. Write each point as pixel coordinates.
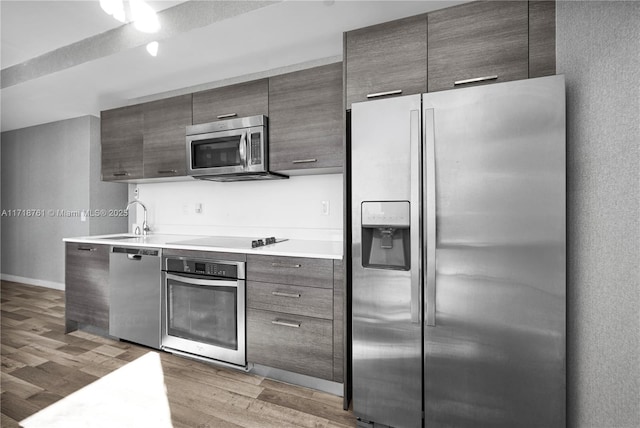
(290, 342)
(291, 299)
(290, 270)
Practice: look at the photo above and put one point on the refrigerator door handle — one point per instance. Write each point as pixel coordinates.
(416, 266)
(429, 237)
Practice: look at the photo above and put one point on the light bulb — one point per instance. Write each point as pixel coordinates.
(144, 17)
(152, 48)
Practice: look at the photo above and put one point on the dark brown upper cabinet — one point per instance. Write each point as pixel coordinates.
(121, 142)
(306, 121)
(165, 122)
(386, 60)
(478, 42)
(542, 38)
(240, 100)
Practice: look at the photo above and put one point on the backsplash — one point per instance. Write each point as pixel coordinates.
(291, 208)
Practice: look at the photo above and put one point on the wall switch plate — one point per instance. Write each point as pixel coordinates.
(325, 208)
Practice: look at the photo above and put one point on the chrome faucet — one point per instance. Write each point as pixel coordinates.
(145, 226)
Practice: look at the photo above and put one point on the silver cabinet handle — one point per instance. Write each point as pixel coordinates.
(120, 174)
(284, 265)
(305, 161)
(286, 323)
(225, 116)
(429, 237)
(167, 171)
(384, 94)
(86, 249)
(283, 294)
(475, 80)
(416, 286)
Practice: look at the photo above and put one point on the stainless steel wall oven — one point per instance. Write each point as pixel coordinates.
(203, 309)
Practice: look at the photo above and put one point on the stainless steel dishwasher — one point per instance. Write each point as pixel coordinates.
(135, 291)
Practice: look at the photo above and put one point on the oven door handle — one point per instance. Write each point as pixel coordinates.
(233, 283)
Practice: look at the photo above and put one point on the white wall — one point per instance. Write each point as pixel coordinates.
(289, 208)
(51, 167)
(598, 50)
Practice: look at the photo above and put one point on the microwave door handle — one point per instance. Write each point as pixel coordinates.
(242, 148)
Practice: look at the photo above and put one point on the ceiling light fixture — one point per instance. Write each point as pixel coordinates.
(143, 16)
(152, 48)
(114, 8)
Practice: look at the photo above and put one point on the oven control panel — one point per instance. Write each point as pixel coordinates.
(202, 267)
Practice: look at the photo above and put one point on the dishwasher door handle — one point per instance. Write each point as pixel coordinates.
(134, 256)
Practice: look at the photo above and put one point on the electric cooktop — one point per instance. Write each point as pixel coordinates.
(236, 242)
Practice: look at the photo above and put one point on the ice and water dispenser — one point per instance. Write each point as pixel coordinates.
(385, 235)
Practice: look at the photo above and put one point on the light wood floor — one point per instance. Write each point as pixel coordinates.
(41, 365)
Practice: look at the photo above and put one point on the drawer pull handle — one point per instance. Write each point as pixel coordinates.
(286, 323)
(120, 174)
(225, 116)
(305, 161)
(384, 94)
(282, 294)
(86, 249)
(284, 265)
(167, 171)
(475, 80)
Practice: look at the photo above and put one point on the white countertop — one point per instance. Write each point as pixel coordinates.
(289, 248)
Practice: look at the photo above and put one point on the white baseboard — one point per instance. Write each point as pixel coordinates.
(32, 281)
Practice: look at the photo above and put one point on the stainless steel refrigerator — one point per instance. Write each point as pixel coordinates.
(458, 257)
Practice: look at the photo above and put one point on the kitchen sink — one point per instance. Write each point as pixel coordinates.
(121, 237)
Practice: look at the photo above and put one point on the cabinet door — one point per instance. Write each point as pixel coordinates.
(338, 321)
(241, 100)
(542, 38)
(386, 58)
(87, 284)
(121, 141)
(305, 120)
(478, 42)
(165, 122)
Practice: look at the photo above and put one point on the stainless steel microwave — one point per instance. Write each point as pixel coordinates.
(230, 150)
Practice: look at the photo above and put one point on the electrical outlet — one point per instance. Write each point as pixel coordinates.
(198, 208)
(325, 208)
(136, 192)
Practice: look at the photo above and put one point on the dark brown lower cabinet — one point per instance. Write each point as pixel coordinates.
(290, 342)
(295, 315)
(86, 285)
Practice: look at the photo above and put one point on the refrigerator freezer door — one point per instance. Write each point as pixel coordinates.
(387, 329)
(495, 351)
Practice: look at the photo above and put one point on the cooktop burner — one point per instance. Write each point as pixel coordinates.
(231, 242)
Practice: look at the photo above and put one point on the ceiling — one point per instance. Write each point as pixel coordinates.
(65, 59)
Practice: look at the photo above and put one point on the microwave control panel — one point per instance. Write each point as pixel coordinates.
(256, 152)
